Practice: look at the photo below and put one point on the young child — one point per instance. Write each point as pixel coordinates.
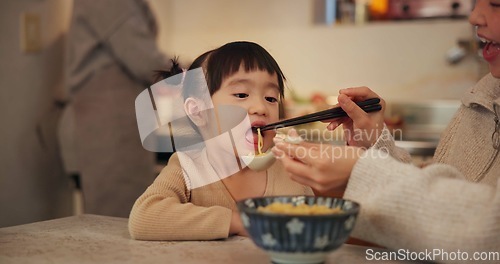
(181, 206)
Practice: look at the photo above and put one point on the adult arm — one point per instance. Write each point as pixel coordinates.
(403, 206)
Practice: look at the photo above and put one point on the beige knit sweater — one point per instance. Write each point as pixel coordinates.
(168, 210)
(440, 206)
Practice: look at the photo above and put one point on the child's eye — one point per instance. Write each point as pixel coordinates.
(241, 95)
(272, 99)
(494, 4)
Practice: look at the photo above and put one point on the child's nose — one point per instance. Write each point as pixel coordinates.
(257, 107)
(476, 18)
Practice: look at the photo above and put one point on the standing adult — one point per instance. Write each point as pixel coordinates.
(111, 57)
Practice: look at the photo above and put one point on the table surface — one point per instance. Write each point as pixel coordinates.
(103, 239)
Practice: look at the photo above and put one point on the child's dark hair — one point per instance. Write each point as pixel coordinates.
(227, 60)
(164, 74)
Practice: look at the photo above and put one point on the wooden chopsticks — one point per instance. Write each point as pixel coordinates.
(369, 105)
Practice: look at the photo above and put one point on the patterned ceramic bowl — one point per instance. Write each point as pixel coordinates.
(298, 238)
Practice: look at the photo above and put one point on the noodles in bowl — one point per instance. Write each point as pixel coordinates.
(301, 209)
(298, 229)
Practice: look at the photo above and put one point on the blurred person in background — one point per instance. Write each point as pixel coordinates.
(111, 57)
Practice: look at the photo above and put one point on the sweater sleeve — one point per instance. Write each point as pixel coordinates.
(385, 142)
(405, 207)
(164, 211)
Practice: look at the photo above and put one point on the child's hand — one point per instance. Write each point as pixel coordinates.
(361, 129)
(236, 227)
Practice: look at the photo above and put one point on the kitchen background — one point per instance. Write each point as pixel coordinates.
(403, 61)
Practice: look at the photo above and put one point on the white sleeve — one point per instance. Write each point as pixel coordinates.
(405, 207)
(385, 142)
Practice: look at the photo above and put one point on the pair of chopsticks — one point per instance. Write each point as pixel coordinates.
(369, 105)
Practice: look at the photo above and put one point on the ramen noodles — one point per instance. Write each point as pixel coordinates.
(260, 142)
(301, 209)
(260, 145)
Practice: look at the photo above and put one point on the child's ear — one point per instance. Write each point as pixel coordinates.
(194, 109)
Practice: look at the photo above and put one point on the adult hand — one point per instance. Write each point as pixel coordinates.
(323, 167)
(361, 129)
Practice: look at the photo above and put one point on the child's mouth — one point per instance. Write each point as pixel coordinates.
(252, 136)
(491, 49)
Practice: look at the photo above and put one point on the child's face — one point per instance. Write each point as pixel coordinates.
(258, 93)
(486, 16)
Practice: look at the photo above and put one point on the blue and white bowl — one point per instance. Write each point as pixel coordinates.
(298, 238)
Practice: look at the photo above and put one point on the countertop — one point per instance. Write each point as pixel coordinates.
(103, 239)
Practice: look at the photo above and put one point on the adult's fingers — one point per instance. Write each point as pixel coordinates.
(334, 123)
(292, 137)
(297, 171)
(292, 165)
(352, 109)
(359, 92)
(348, 132)
(304, 152)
